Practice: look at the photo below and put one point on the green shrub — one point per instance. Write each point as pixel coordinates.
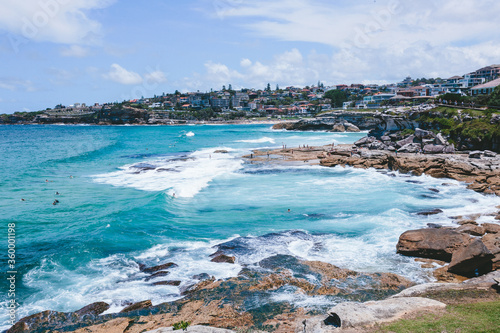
(182, 325)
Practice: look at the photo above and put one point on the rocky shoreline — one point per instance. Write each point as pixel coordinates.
(245, 301)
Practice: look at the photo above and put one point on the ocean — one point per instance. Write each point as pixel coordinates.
(147, 195)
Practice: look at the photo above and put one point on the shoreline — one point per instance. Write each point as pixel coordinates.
(219, 314)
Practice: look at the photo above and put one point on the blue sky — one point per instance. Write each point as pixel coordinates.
(67, 51)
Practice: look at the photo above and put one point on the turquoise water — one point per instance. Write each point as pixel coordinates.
(131, 195)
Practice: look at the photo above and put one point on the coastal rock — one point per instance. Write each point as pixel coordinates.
(222, 258)
(410, 148)
(357, 315)
(492, 243)
(351, 128)
(491, 228)
(440, 140)
(489, 153)
(338, 128)
(405, 141)
(193, 329)
(431, 243)
(93, 309)
(157, 274)
(464, 222)
(475, 154)
(168, 283)
(423, 134)
(471, 229)
(137, 306)
(159, 267)
(433, 149)
(473, 258)
(430, 212)
(364, 141)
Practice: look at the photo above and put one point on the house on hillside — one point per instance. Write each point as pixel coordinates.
(485, 88)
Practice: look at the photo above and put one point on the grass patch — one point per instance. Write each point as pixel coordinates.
(463, 318)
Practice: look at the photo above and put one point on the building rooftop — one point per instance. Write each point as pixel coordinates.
(491, 84)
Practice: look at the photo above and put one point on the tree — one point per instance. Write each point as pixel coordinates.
(230, 87)
(338, 97)
(494, 99)
(268, 88)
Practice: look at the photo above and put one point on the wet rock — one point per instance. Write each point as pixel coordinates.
(472, 259)
(434, 225)
(137, 306)
(201, 277)
(93, 309)
(464, 222)
(221, 151)
(471, 229)
(159, 267)
(222, 258)
(442, 275)
(167, 283)
(430, 212)
(491, 228)
(157, 274)
(431, 243)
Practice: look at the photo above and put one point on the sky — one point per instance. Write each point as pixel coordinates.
(97, 51)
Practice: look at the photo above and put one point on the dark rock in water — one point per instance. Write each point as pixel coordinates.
(471, 260)
(435, 190)
(158, 268)
(283, 261)
(93, 309)
(430, 212)
(431, 243)
(414, 181)
(157, 274)
(167, 283)
(201, 277)
(221, 151)
(38, 320)
(434, 225)
(222, 258)
(137, 306)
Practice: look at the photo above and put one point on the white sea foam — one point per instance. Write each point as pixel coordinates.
(189, 133)
(261, 140)
(182, 177)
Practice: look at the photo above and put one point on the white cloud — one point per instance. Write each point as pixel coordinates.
(16, 84)
(58, 21)
(121, 75)
(380, 41)
(155, 77)
(245, 63)
(76, 51)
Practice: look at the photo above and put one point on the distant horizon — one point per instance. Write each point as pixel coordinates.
(56, 51)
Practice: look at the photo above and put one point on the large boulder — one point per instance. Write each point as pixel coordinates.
(357, 315)
(364, 141)
(492, 243)
(471, 260)
(410, 148)
(338, 128)
(423, 134)
(440, 140)
(433, 149)
(405, 141)
(431, 243)
(93, 309)
(137, 306)
(351, 127)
